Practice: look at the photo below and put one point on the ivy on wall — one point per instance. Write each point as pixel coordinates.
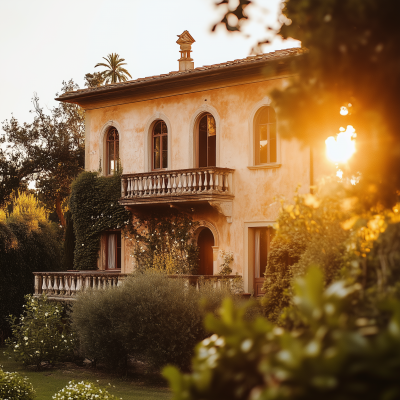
(95, 209)
(165, 242)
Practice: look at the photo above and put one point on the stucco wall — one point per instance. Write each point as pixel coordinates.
(257, 191)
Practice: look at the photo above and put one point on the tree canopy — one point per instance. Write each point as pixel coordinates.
(49, 151)
(114, 71)
(351, 61)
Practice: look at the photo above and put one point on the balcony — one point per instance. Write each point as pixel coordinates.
(64, 286)
(184, 185)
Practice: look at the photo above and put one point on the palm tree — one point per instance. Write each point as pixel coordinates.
(114, 72)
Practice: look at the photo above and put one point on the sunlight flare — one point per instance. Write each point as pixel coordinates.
(341, 148)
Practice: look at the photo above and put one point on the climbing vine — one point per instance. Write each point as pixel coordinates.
(95, 209)
(165, 243)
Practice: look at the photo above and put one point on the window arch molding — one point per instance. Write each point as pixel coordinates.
(194, 131)
(265, 102)
(147, 140)
(205, 224)
(103, 156)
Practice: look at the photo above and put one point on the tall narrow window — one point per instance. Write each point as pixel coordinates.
(160, 145)
(207, 141)
(265, 136)
(262, 240)
(113, 250)
(112, 151)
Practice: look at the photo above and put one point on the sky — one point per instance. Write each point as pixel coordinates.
(46, 42)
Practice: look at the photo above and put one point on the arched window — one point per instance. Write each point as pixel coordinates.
(265, 136)
(207, 141)
(160, 145)
(112, 151)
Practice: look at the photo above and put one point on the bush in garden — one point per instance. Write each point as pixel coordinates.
(334, 355)
(82, 391)
(14, 387)
(149, 317)
(40, 335)
(27, 243)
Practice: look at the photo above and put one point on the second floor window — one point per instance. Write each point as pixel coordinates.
(160, 145)
(112, 151)
(207, 141)
(265, 136)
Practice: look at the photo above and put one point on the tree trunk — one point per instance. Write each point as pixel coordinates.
(59, 210)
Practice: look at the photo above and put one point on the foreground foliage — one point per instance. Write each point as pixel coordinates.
(332, 354)
(28, 242)
(150, 317)
(40, 335)
(14, 387)
(82, 391)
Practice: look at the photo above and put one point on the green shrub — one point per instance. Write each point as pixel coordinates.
(150, 317)
(23, 251)
(335, 355)
(14, 387)
(82, 391)
(40, 334)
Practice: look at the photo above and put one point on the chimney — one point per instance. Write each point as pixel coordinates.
(185, 41)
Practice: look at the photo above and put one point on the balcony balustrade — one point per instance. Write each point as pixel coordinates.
(64, 286)
(185, 185)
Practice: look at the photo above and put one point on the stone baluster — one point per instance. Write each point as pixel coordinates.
(87, 282)
(49, 285)
(140, 187)
(144, 185)
(44, 284)
(226, 182)
(36, 285)
(129, 188)
(216, 183)
(66, 286)
(73, 285)
(150, 178)
(211, 172)
(123, 187)
(55, 285)
(173, 183)
(158, 185)
(61, 285)
(78, 283)
(163, 184)
(168, 183)
(205, 181)
(179, 177)
(200, 181)
(135, 187)
(189, 182)
(194, 182)
(184, 184)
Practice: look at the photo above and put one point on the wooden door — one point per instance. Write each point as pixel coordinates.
(205, 242)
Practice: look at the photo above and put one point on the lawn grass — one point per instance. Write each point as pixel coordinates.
(49, 381)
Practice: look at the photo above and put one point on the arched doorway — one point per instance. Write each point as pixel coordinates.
(205, 242)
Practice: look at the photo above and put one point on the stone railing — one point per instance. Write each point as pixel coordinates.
(63, 286)
(167, 185)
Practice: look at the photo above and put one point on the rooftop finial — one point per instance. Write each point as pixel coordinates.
(185, 41)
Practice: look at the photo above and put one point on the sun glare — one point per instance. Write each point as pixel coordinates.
(341, 148)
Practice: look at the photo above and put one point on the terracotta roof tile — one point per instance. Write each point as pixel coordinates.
(250, 59)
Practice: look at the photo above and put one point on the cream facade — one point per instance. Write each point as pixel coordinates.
(242, 196)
